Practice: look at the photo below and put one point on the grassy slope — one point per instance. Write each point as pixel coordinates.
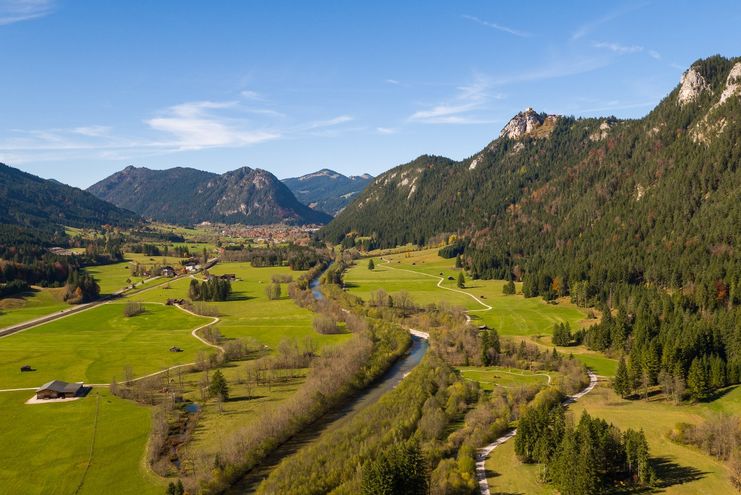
(95, 345)
(46, 446)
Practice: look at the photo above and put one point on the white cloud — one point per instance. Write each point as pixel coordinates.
(92, 130)
(385, 130)
(590, 26)
(248, 94)
(498, 27)
(392, 81)
(618, 48)
(459, 109)
(341, 119)
(197, 125)
(654, 54)
(12, 11)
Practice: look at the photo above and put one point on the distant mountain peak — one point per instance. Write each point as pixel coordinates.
(529, 122)
(189, 196)
(327, 190)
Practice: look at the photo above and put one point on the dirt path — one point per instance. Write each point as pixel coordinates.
(483, 453)
(440, 280)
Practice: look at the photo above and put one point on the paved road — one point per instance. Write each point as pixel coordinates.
(483, 453)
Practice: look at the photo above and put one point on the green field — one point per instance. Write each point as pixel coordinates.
(46, 446)
(494, 376)
(419, 272)
(95, 345)
(248, 312)
(31, 305)
(684, 470)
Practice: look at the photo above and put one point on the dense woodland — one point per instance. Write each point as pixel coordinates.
(641, 221)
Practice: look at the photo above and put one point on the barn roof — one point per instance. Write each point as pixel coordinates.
(60, 387)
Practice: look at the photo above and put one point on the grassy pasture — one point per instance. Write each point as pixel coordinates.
(95, 345)
(248, 312)
(494, 376)
(30, 305)
(46, 446)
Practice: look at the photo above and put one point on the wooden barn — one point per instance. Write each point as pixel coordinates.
(57, 389)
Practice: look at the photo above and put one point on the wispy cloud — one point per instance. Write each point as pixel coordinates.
(12, 11)
(340, 119)
(589, 26)
(386, 130)
(197, 125)
(498, 27)
(392, 81)
(461, 108)
(617, 47)
(621, 49)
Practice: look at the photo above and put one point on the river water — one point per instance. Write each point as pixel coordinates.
(335, 419)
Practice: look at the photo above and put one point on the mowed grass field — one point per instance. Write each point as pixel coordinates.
(249, 313)
(46, 447)
(28, 306)
(95, 345)
(496, 376)
(683, 470)
(419, 273)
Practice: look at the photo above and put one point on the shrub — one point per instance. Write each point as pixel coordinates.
(133, 308)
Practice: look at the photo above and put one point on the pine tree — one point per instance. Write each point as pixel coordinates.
(621, 382)
(509, 288)
(458, 262)
(371, 265)
(698, 381)
(461, 280)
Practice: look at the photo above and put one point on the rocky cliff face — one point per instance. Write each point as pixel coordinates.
(733, 83)
(529, 122)
(692, 85)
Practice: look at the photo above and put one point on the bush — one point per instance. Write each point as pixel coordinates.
(133, 308)
(273, 292)
(325, 325)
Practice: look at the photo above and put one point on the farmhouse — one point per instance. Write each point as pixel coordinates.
(57, 389)
(168, 271)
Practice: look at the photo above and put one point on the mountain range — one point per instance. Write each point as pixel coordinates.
(187, 196)
(31, 201)
(327, 190)
(655, 199)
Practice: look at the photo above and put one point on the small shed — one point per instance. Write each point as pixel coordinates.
(57, 389)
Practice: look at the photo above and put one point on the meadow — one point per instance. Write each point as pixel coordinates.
(496, 376)
(96, 344)
(30, 305)
(47, 446)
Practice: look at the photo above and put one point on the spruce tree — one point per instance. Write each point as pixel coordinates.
(371, 265)
(621, 382)
(698, 379)
(461, 280)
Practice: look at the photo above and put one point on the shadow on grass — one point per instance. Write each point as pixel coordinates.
(242, 398)
(351, 285)
(670, 473)
(721, 393)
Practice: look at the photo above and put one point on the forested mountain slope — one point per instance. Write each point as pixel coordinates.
(188, 196)
(30, 201)
(655, 199)
(640, 217)
(327, 190)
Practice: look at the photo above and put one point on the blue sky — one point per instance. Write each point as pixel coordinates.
(89, 87)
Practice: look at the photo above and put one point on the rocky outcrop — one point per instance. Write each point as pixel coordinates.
(602, 132)
(733, 83)
(692, 86)
(529, 122)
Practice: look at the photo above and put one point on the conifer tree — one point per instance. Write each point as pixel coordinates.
(621, 382)
(461, 280)
(371, 264)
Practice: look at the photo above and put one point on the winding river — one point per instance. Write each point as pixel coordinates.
(334, 419)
